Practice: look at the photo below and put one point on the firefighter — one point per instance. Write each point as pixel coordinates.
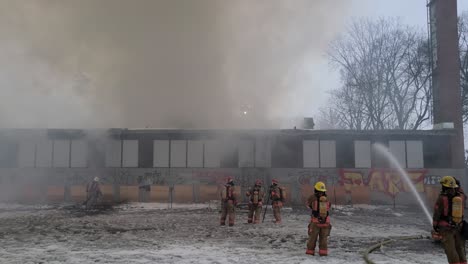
(277, 196)
(228, 202)
(319, 226)
(93, 193)
(460, 191)
(255, 194)
(447, 220)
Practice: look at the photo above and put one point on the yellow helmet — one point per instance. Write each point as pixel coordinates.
(449, 182)
(320, 186)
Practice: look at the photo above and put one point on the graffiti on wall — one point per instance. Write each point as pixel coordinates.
(310, 177)
(211, 177)
(383, 180)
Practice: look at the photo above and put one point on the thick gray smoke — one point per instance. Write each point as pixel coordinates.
(167, 63)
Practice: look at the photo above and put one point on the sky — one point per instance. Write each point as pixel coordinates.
(174, 64)
(411, 12)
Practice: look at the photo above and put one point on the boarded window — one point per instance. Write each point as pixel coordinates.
(414, 150)
(398, 150)
(179, 153)
(311, 153)
(327, 154)
(61, 154)
(161, 153)
(362, 154)
(113, 153)
(130, 153)
(195, 154)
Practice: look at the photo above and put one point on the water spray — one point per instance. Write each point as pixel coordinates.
(385, 152)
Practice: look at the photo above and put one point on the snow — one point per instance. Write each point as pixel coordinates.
(190, 233)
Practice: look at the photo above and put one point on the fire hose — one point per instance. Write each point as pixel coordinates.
(388, 241)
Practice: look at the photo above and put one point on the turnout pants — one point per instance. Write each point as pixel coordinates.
(454, 246)
(321, 233)
(277, 211)
(228, 210)
(254, 213)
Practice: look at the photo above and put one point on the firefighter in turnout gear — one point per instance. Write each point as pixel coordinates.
(447, 220)
(255, 195)
(277, 196)
(228, 202)
(93, 193)
(319, 226)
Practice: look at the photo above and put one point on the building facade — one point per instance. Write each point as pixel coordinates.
(190, 165)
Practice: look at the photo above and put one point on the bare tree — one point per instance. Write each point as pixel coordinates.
(385, 72)
(463, 46)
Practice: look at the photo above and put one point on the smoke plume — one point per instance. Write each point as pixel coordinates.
(160, 63)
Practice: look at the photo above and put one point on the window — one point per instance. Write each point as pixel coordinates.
(362, 154)
(130, 153)
(398, 150)
(195, 154)
(212, 154)
(26, 153)
(61, 154)
(262, 153)
(161, 153)
(414, 150)
(44, 154)
(179, 153)
(246, 153)
(327, 154)
(79, 154)
(311, 153)
(113, 153)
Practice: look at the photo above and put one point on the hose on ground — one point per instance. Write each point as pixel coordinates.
(388, 241)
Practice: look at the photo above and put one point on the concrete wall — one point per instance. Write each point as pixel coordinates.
(370, 186)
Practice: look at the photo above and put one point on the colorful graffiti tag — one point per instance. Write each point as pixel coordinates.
(383, 180)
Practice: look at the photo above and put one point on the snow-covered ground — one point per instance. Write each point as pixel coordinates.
(152, 233)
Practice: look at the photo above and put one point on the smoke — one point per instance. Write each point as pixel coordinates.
(161, 63)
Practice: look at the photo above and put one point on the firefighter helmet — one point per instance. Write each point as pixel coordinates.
(320, 186)
(449, 182)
